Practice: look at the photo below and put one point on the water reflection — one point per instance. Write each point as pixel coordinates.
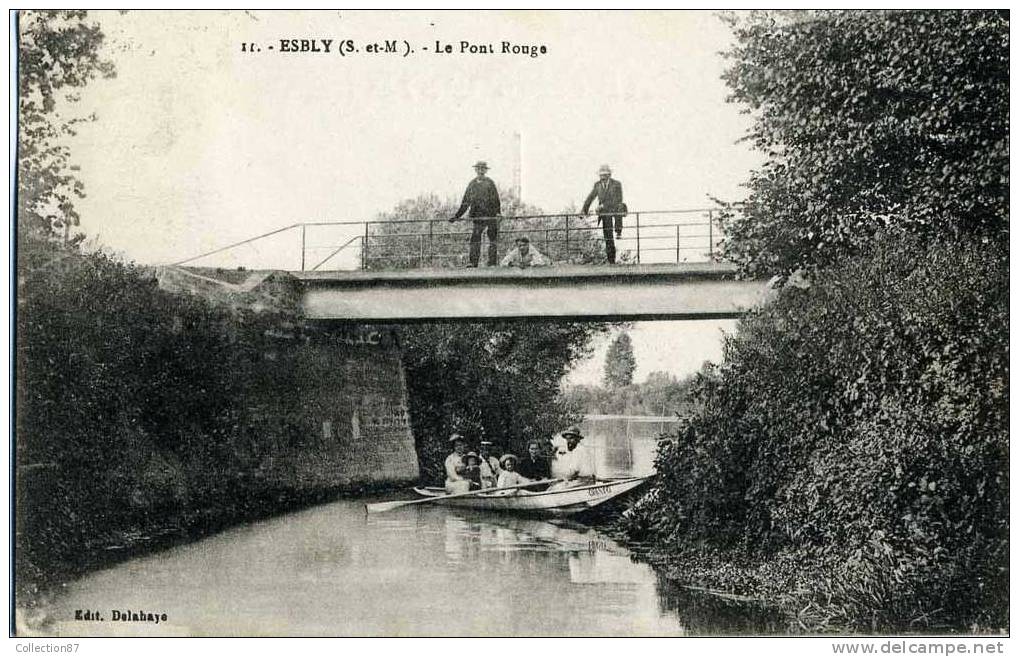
(332, 571)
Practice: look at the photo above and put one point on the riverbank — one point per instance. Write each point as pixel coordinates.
(786, 594)
(849, 458)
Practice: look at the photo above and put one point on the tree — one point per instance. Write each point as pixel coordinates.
(660, 394)
(871, 121)
(499, 380)
(417, 233)
(619, 362)
(58, 53)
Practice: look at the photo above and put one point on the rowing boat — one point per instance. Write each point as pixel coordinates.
(555, 502)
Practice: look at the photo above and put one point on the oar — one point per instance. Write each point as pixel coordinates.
(388, 506)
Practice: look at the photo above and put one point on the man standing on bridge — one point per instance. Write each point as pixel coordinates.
(611, 208)
(483, 200)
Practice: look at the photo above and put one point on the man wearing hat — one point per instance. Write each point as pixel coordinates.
(456, 482)
(525, 255)
(483, 200)
(572, 464)
(489, 465)
(611, 208)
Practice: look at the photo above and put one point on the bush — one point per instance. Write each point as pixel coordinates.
(127, 405)
(859, 429)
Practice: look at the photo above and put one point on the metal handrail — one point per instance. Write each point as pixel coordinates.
(330, 256)
(556, 237)
(236, 244)
(552, 215)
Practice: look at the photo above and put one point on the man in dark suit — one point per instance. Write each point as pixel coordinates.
(611, 208)
(483, 200)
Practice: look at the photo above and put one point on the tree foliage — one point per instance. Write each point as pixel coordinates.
(417, 233)
(855, 439)
(849, 457)
(497, 380)
(112, 369)
(871, 122)
(661, 394)
(58, 53)
(619, 362)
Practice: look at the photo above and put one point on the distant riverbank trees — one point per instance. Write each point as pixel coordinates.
(848, 458)
(660, 394)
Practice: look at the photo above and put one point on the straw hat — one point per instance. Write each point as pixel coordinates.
(604, 169)
(455, 437)
(507, 457)
(573, 430)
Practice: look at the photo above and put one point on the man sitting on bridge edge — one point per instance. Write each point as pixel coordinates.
(524, 255)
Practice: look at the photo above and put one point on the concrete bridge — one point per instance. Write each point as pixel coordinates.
(581, 292)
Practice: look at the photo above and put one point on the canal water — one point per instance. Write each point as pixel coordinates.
(332, 570)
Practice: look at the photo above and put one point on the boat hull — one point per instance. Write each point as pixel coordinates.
(562, 502)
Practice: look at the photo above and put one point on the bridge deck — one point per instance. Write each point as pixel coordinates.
(695, 270)
(659, 291)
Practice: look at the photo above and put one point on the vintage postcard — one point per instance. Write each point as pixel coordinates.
(511, 324)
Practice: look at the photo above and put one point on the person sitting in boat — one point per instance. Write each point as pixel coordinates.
(472, 470)
(508, 476)
(556, 446)
(455, 480)
(489, 465)
(573, 465)
(534, 466)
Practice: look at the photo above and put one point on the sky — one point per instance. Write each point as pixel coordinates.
(198, 143)
(679, 348)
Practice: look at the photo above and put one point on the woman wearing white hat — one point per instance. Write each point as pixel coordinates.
(455, 467)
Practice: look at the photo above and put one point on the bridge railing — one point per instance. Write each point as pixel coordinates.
(655, 236)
